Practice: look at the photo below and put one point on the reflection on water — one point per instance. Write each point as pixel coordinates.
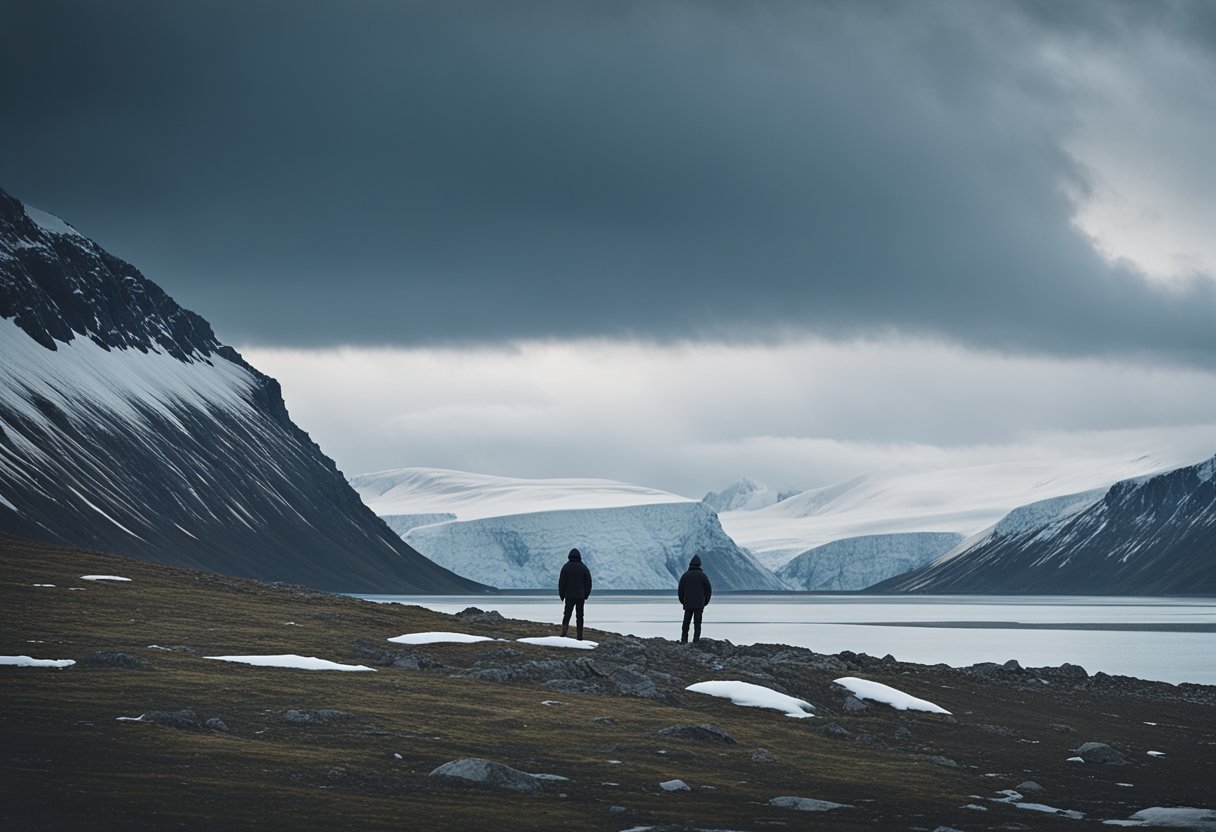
(1168, 639)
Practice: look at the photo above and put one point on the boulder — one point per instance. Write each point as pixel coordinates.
(324, 716)
(763, 755)
(114, 660)
(807, 804)
(674, 786)
(706, 733)
(488, 773)
(183, 720)
(1100, 752)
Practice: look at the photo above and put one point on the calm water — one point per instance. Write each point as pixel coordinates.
(1172, 640)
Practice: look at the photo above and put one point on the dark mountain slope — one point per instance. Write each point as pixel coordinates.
(1147, 536)
(126, 426)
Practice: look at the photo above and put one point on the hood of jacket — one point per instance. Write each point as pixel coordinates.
(575, 555)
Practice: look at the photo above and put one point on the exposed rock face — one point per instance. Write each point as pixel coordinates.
(126, 426)
(1151, 535)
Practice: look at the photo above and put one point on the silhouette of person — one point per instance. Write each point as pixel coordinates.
(573, 587)
(694, 592)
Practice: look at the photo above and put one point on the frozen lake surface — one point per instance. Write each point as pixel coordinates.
(1168, 639)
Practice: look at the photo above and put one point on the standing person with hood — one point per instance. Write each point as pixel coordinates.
(573, 587)
(695, 591)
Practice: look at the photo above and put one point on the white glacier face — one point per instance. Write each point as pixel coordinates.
(630, 537)
(859, 562)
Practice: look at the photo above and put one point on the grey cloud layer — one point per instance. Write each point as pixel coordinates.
(313, 174)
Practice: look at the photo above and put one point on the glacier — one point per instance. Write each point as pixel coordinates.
(859, 562)
(630, 536)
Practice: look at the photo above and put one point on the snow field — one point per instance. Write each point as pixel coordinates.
(560, 641)
(103, 578)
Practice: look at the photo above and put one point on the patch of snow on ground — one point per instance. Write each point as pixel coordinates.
(878, 692)
(47, 585)
(139, 718)
(438, 638)
(1177, 817)
(291, 660)
(560, 641)
(754, 696)
(103, 578)
(1155, 753)
(49, 222)
(26, 661)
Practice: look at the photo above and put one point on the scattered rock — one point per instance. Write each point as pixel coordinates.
(1012, 666)
(183, 720)
(903, 734)
(942, 761)
(617, 810)
(1100, 752)
(325, 716)
(998, 730)
(763, 755)
(1061, 728)
(111, 659)
(807, 804)
(674, 786)
(852, 703)
(380, 656)
(477, 616)
(832, 729)
(604, 720)
(698, 733)
(1029, 787)
(216, 724)
(488, 773)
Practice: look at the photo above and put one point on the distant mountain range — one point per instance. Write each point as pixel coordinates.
(126, 426)
(917, 499)
(516, 533)
(1142, 536)
(746, 495)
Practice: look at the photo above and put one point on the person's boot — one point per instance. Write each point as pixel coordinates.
(565, 629)
(579, 634)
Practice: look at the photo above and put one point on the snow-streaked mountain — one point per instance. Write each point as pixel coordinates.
(746, 495)
(126, 426)
(908, 499)
(515, 533)
(859, 562)
(1149, 535)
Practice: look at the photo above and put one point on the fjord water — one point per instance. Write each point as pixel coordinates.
(1166, 639)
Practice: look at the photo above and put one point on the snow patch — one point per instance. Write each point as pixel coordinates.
(1177, 817)
(755, 696)
(438, 638)
(26, 661)
(104, 578)
(49, 222)
(560, 641)
(878, 692)
(291, 660)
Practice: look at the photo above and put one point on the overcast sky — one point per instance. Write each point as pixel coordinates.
(668, 242)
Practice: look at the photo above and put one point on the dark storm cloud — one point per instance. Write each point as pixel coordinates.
(316, 174)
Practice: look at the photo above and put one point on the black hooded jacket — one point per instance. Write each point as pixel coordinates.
(695, 589)
(574, 582)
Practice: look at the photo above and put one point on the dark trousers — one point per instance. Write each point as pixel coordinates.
(571, 606)
(693, 615)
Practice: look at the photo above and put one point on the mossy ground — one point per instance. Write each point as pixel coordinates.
(66, 762)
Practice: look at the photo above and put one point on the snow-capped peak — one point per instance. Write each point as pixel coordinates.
(49, 222)
(746, 495)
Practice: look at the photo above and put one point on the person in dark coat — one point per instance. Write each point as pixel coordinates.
(573, 587)
(695, 591)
